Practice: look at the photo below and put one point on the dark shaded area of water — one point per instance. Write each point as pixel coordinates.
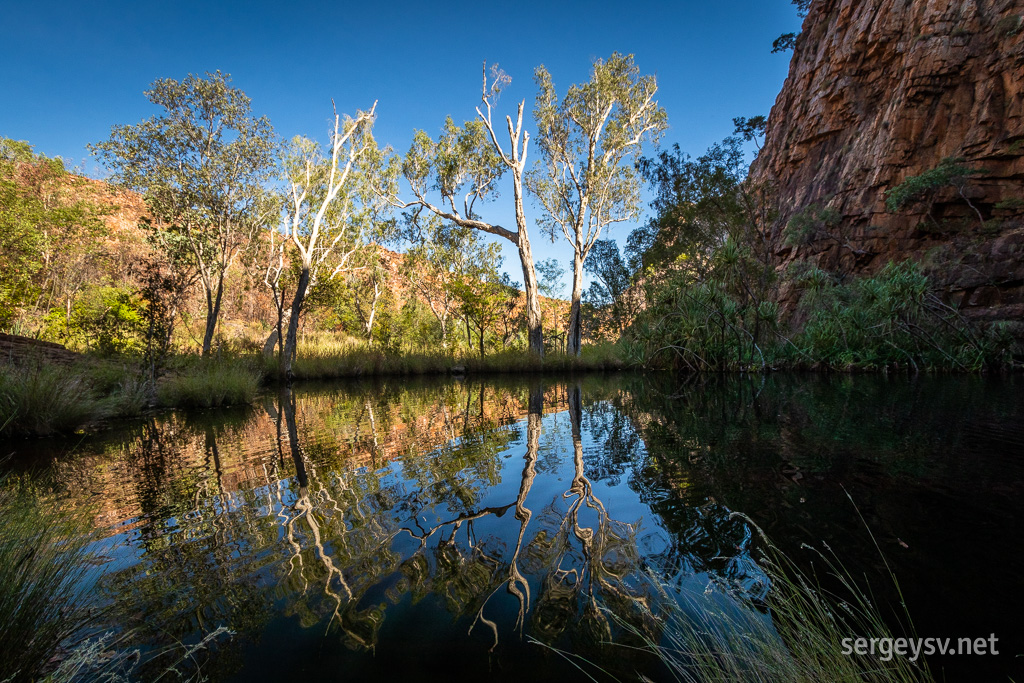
(442, 529)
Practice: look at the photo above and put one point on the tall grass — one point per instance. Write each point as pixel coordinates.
(41, 399)
(199, 382)
(321, 357)
(42, 557)
(800, 637)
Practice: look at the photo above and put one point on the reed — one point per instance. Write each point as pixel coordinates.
(42, 558)
(796, 634)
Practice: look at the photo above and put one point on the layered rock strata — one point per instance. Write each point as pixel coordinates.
(882, 90)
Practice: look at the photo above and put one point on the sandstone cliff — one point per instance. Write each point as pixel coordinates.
(880, 90)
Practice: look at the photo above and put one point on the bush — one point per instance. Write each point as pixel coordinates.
(107, 319)
(951, 171)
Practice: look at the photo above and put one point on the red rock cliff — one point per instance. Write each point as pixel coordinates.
(880, 90)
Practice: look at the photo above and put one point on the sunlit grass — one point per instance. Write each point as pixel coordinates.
(323, 357)
(197, 382)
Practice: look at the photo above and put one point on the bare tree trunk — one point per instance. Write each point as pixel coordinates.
(373, 310)
(534, 330)
(213, 299)
(293, 323)
(575, 336)
(280, 335)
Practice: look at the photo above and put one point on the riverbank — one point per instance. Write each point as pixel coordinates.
(40, 396)
(43, 394)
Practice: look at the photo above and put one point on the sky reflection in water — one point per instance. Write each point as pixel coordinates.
(434, 529)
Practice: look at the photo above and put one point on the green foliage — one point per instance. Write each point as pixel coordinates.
(951, 171)
(110, 320)
(1013, 204)
(439, 257)
(462, 162)
(784, 43)
(584, 137)
(750, 129)
(550, 281)
(1010, 26)
(202, 166)
(702, 326)
(484, 303)
(43, 232)
(891, 319)
(697, 203)
(811, 223)
(612, 277)
(584, 181)
(708, 268)
(414, 327)
(787, 41)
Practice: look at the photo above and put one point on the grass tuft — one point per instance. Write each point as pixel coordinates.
(794, 633)
(39, 399)
(42, 557)
(208, 383)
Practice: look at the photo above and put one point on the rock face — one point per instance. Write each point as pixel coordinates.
(881, 90)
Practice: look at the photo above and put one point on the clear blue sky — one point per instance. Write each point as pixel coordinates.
(71, 70)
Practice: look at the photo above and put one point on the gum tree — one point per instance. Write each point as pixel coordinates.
(463, 167)
(585, 180)
(202, 166)
(333, 206)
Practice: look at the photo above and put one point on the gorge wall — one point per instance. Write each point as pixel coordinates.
(881, 90)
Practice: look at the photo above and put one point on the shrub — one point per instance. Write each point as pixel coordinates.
(890, 319)
(1009, 26)
(951, 172)
(809, 224)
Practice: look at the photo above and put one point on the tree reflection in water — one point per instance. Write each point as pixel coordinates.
(340, 513)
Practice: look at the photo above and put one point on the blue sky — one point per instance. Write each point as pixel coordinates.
(71, 70)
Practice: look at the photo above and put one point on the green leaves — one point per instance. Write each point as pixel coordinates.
(581, 181)
(950, 172)
(40, 217)
(462, 166)
(204, 160)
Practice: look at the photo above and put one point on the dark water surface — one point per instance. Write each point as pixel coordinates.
(440, 530)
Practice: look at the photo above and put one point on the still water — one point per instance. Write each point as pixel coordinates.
(459, 530)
